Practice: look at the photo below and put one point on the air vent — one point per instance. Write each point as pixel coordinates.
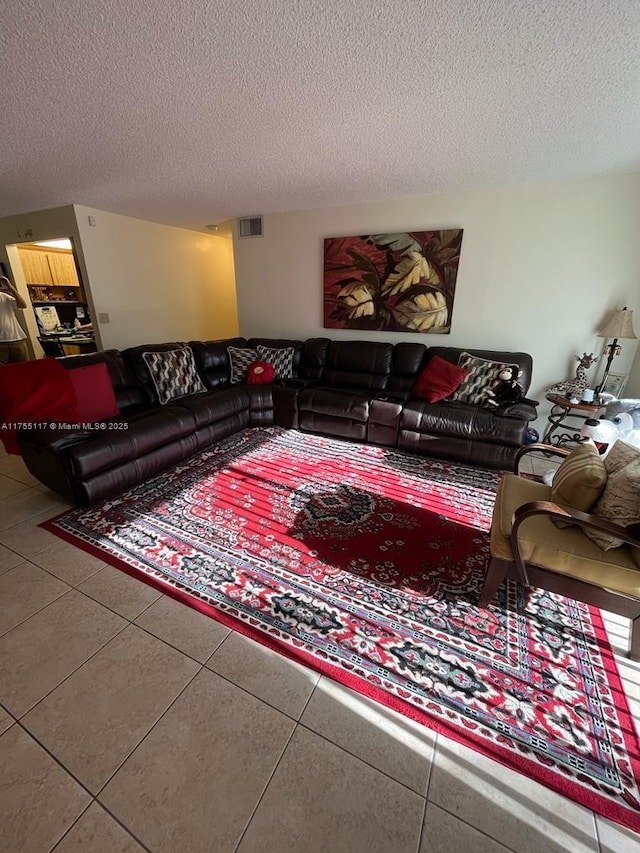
(250, 226)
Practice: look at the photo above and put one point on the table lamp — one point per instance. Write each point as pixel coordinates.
(619, 326)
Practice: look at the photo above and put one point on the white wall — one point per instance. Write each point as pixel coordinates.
(26, 227)
(156, 282)
(541, 267)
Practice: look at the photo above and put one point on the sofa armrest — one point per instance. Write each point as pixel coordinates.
(629, 534)
(525, 410)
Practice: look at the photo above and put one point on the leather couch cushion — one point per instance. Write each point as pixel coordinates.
(335, 403)
(145, 432)
(313, 358)
(461, 421)
(409, 360)
(212, 360)
(214, 406)
(358, 364)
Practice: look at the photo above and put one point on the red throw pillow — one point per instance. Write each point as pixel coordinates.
(439, 379)
(31, 392)
(260, 373)
(94, 392)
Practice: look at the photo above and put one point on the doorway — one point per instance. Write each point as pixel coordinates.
(59, 321)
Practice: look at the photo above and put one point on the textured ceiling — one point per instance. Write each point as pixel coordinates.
(189, 112)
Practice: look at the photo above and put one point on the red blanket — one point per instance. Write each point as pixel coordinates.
(33, 392)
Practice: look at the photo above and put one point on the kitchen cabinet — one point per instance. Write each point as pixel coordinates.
(63, 269)
(48, 267)
(35, 266)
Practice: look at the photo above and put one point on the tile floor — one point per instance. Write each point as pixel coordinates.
(130, 723)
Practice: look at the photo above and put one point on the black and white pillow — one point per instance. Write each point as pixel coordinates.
(240, 358)
(173, 373)
(483, 375)
(281, 360)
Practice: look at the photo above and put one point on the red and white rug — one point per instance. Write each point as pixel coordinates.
(366, 563)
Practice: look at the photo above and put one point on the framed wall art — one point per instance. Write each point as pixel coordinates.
(396, 282)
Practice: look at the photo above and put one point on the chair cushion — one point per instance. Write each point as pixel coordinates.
(173, 373)
(482, 375)
(240, 358)
(567, 551)
(620, 501)
(580, 479)
(439, 379)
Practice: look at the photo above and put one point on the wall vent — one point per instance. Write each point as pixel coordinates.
(250, 226)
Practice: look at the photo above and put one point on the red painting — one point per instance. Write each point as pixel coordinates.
(402, 282)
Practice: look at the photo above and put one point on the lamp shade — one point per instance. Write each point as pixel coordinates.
(619, 326)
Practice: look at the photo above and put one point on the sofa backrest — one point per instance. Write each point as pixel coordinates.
(128, 391)
(409, 359)
(313, 358)
(358, 364)
(281, 343)
(212, 360)
(522, 359)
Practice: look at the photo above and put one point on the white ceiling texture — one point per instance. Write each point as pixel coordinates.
(191, 111)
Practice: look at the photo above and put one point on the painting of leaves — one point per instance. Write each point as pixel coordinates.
(391, 282)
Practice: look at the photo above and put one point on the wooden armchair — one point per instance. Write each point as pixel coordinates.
(526, 546)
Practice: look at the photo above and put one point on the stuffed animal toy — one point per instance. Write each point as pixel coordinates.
(508, 389)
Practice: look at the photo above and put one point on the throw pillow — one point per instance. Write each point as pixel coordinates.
(281, 359)
(31, 392)
(94, 391)
(439, 379)
(240, 358)
(580, 480)
(173, 373)
(620, 501)
(482, 375)
(260, 373)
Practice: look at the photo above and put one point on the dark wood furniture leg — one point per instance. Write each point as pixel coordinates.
(497, 571)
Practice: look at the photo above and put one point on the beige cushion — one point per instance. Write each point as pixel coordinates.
(581, 478)
(567, 551)
(620, 501)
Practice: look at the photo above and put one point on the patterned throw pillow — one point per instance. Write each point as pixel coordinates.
(580, 480)
(620, 501)
(173, 373)
(281, 359)
(240, 358)
(482, 376)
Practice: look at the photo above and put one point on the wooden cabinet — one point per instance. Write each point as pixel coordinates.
(63, 268)
(35, 266)
(48, 267)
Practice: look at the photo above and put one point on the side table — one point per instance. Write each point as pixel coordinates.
(559, 431)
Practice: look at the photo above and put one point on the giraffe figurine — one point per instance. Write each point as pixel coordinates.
(575, 387)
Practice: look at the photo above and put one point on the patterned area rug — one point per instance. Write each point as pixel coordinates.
(366, 564)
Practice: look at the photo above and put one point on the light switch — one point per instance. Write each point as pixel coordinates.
(92, 220)
(103, 318)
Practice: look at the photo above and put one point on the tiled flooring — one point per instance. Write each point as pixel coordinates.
(130, 722)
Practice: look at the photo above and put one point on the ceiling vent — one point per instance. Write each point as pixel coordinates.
(250, 226)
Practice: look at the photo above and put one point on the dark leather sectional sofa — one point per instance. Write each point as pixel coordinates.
(358, 390)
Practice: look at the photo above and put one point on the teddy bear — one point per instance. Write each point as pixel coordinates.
(507, 390)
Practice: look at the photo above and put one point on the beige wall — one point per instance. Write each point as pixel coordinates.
(26, 227)
(157, 283)
(541, 267)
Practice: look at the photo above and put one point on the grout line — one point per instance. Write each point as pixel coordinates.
(599, 848)
(477, 829)
(266, 787)
(426, 794)
(363, 760)
(146, 734)
(70, 827)
(35, 613)
(73, 672)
